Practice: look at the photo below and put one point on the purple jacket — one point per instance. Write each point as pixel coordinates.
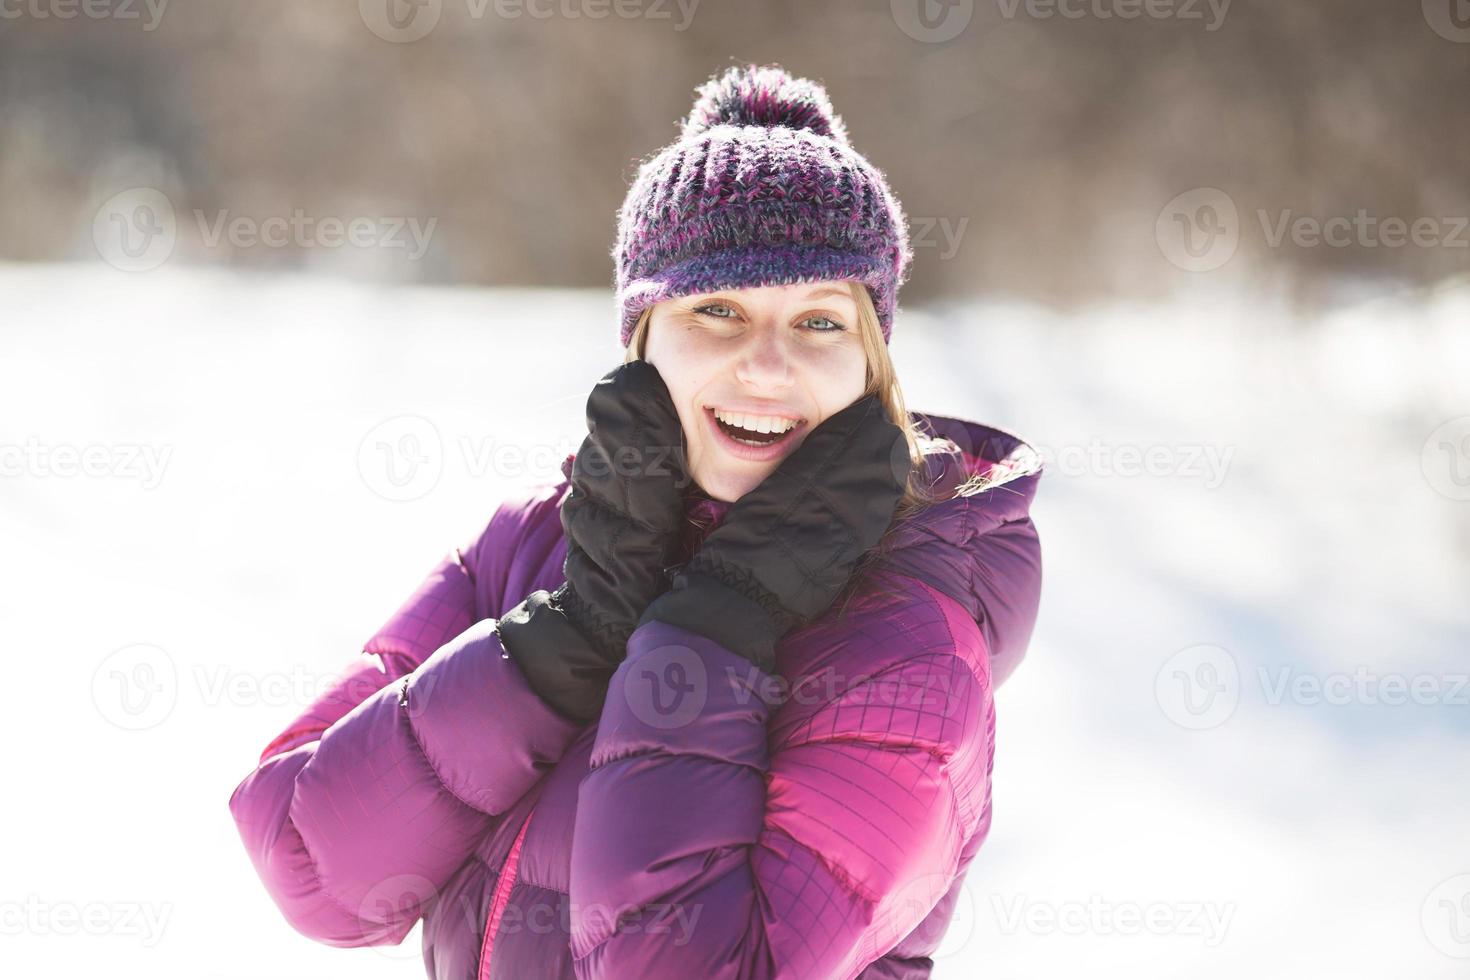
(717, 821)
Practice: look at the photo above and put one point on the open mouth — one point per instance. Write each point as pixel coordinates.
(756, 431)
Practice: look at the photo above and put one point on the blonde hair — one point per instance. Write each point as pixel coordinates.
(882, 380)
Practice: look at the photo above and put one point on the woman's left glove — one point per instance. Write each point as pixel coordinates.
(786, 548)
(623, 519)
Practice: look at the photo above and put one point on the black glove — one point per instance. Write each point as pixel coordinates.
(623, 520)
(786, 548)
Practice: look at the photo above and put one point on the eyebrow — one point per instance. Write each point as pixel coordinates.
(826, 291)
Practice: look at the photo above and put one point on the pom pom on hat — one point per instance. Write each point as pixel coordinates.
(763, 96)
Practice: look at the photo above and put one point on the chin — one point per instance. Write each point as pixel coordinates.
(730, 487)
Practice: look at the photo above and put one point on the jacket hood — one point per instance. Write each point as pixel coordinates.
(976, 544)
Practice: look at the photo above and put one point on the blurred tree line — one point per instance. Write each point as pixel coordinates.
(1032, 152)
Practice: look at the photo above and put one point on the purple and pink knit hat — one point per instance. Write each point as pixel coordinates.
(761, 188)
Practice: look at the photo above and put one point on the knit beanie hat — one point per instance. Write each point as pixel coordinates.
(761, 188)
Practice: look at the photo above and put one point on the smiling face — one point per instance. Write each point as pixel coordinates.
(753, 371)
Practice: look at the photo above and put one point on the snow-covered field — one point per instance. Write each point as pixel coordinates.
(1239, 745)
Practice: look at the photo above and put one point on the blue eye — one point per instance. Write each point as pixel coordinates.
(710, 309)
(714, 306)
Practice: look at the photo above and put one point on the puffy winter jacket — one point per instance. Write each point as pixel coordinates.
(717, 822)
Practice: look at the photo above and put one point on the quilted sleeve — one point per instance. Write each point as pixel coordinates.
(365, 806)
(698, 851)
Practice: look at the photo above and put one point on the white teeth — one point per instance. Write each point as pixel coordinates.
(755, 423)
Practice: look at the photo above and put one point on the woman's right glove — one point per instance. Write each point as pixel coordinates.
(623, 519)
(786, 548)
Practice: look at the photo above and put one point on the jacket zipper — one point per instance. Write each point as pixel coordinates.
(503, 884)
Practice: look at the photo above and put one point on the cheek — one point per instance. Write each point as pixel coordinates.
(837, 377)
(683, 364)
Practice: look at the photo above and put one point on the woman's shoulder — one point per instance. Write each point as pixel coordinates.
(966, 567)
(522, 537)
(521, 511)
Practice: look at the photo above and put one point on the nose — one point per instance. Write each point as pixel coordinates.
(764, 361)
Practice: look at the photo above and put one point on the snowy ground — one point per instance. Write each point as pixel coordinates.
(1238, 746)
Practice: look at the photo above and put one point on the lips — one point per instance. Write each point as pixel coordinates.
(745, 444)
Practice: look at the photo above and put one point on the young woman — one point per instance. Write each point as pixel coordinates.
(719, 703)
